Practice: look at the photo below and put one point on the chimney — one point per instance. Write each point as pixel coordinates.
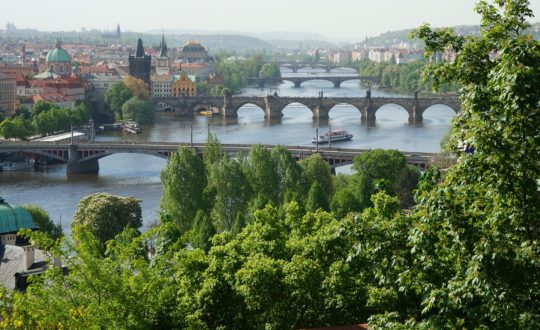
(56, 261)
(28, 256)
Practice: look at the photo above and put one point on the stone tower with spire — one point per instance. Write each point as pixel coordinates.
(140, 64)
(163, 62)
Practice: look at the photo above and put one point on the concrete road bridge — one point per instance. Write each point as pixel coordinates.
(84, 157)
(273, 105)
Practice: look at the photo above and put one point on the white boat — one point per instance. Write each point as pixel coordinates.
(131, 127)
(17, 165)
(333, 136)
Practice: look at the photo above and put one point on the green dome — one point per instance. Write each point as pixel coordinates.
(58, 54)
(13, 218)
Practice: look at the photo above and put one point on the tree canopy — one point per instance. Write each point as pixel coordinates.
(105, 216)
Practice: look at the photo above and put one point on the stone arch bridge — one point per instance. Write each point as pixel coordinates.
(273, 106)
(298, 80)
(295, 66)
(84, 157)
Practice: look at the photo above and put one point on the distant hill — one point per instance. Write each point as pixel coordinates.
(400, 38)
(261, 41)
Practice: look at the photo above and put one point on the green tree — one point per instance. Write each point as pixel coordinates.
(289, 174)
(138, 110)
(23, 111)
(51, 120)
(345, 201)
(261, 171)
(316, 169)
(137, 87)
(317, 198)
(232, 192)
(475, 236)
(202, 231)
(184, 181)
(384, 170)
(40, 107)
(120, 290)
(17, 127)
(80, 114)
(41, 218)
(116, 96)
(105, 216)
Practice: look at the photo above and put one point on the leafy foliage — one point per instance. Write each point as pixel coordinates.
(105, 216)
(41, 218)
(141, 111)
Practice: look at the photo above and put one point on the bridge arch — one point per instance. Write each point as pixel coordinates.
(285, 103)
(361, 111)
(342, 69)
(383, 110)
(452, 105)
(438, 113)
(298, 81)
(60, 155)
(106, 153)
(244, 106)
(338, 84)
(296, 107)
(163, 106)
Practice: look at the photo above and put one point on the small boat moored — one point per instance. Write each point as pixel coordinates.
(333, 136)
(131, 127)
(16, 165)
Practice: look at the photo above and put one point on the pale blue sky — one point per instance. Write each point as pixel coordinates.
(336, 19)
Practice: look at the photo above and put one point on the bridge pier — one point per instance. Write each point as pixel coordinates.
(368, 116)
(297, 83)
(415, 115)
(320, 112)
(337, 83)
(75, 166)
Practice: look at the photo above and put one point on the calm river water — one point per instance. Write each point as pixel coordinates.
(138, 175)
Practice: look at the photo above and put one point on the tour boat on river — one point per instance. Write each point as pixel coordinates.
(333, 136)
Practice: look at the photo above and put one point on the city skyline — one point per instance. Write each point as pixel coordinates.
(345, 20)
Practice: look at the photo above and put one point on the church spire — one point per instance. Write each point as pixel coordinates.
(140, 49)
(163, 46)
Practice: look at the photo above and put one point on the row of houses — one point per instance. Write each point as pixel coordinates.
(378, 55)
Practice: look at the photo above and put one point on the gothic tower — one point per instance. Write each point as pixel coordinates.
(140, 64)
(162, 62)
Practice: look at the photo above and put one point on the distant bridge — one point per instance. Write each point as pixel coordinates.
(295, 66)
(273, 106)
(83, 157)
(297, 80)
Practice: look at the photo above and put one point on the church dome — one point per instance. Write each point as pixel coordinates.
(13, 218)
(193, 46)
(58, 54)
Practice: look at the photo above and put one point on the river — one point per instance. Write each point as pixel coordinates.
(138, 175)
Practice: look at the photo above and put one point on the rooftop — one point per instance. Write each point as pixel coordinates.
(13, 218)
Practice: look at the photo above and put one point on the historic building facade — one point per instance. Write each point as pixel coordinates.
(184, 87)
(8, 87)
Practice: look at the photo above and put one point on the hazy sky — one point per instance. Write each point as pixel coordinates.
(336, 19)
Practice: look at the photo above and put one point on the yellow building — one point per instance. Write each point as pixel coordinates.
(184, 87)
(8, 86)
